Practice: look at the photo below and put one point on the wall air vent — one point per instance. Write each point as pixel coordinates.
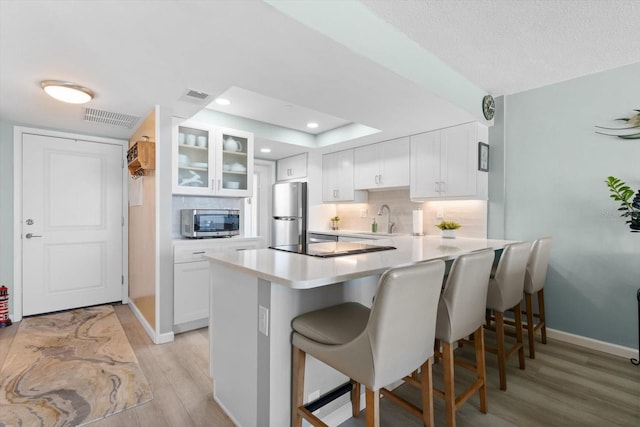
(108, 118)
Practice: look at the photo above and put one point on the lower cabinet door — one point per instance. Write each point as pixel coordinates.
(190, 292)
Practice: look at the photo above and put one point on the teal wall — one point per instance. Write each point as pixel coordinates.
(6, 207)
(554, 170)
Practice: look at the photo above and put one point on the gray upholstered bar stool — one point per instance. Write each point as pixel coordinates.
(534, 280)
(505, 293)
(461, 312)
(373, 347)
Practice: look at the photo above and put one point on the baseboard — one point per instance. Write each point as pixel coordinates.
(593, 344)
(165, 338)
(341, 414)
(224, 408)
(146, 326)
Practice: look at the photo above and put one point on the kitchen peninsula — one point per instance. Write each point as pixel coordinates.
(256, 293)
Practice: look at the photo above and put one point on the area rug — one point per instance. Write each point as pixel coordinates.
(69, 369)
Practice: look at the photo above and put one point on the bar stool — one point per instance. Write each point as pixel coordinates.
(461, 312)
(533, 284)
(505, 293)
(373, 347)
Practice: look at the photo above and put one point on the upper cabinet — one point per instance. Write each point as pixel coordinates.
(211, 161)
(382, 165)
(294, 167)
(444, 164)
(337, 178)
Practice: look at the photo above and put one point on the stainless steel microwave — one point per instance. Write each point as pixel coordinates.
(199, 223)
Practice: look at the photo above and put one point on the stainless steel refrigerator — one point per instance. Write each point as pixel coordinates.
(289, 215)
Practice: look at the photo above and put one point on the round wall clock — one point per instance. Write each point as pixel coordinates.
(488, 107)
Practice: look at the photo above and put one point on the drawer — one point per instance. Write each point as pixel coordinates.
(192, 254)
(194, 251)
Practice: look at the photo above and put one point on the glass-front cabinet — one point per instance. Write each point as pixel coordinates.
(211, 161)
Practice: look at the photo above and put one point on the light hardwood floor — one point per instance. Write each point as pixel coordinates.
(565, 385)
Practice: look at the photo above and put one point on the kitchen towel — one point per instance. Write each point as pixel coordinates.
(418, 228)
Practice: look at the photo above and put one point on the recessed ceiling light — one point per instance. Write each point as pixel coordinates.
(67, 91)
(312, 125)
(222, 101)
(265, 150)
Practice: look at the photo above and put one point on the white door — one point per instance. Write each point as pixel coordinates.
(366, 166)
(395, 163)
(258, 208)
(425, 165)
(458, 161)
(71, 224)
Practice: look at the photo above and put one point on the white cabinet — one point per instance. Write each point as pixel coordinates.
(337, 178)
(211, 161)
(191, 278)
(294, 167)
(444, 164)
(382, 165)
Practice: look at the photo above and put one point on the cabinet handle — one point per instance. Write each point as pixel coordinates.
(335, 194)
(443, 187)
(375, 179)
(380, 179)
(218, 184)
(198, 253)
(437, 187)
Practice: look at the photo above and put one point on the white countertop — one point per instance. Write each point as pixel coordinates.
(303, 272)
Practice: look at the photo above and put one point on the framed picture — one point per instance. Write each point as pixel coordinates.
(483, 157)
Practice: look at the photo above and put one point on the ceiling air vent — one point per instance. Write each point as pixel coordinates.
(196, 94)
(108, 118)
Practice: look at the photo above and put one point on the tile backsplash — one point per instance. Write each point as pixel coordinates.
(471, 214)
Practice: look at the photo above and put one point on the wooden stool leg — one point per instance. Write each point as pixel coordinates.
(426, 382)
(531, 330)
(481, 370)
(449, 383)
(518, 318)
(355, 399)
(499, 321)
(543, 319)
(372, 412)
(298, 386)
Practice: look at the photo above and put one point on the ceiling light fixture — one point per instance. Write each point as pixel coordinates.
(265, 150)
(222, 101)
(312, 125)
(67, 91)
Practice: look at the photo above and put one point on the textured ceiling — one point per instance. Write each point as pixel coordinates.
(509, 46)
(139, 54)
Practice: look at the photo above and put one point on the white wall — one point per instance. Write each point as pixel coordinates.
(6, 208)
(555, 168)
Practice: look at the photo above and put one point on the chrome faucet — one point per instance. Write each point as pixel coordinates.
(391, 224)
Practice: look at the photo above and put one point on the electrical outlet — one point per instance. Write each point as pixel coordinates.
(263, 320)
(364, 213)
(440, 212)
(313, 396)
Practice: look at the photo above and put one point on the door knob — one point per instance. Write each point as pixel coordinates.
(29, 221)
(30, 235)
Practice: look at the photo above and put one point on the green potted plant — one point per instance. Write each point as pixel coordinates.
(335, 222)
(629, 208)
(448, 229)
